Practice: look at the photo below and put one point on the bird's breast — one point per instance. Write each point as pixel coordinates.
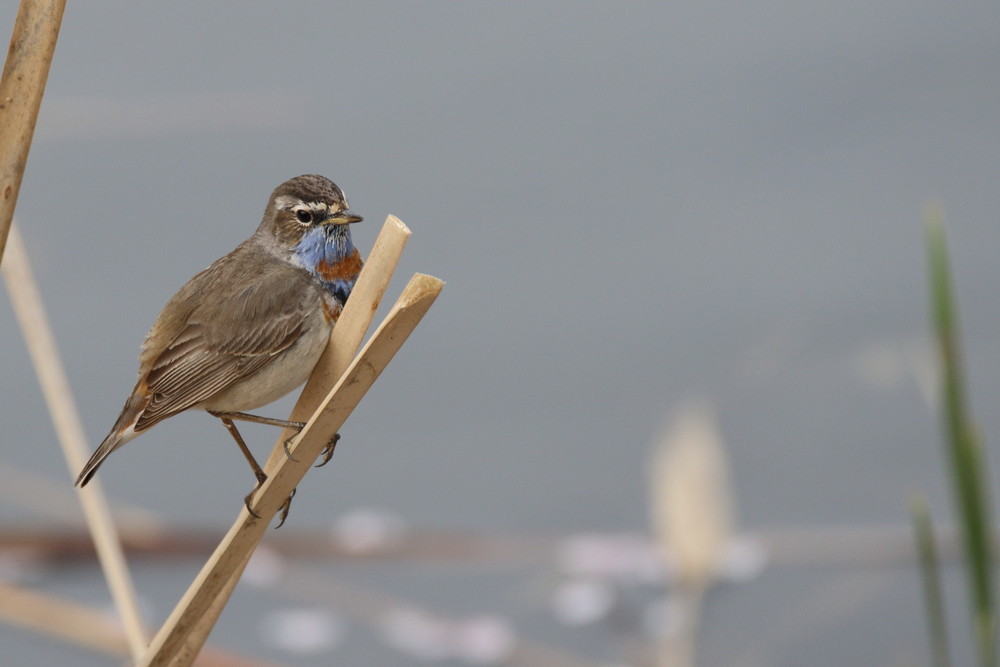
(346, 269)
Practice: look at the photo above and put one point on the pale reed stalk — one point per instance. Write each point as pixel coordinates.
(30, 312)
(22, 84)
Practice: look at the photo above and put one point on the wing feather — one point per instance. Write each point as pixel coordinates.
(219, 342)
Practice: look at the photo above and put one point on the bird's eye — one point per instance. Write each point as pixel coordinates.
(304, 216)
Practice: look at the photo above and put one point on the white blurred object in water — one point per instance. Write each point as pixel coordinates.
(366, 530)
(265, 567)
(416, 634)
(481, 640)
(583, 601)
(621, 558)
(484, 640)
(303, 631)
(743, 559)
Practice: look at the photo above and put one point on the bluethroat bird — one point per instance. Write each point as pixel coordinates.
(248, 329)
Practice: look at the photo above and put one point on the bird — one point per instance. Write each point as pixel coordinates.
(250, 328)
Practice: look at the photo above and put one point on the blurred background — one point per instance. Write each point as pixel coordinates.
(635, 206)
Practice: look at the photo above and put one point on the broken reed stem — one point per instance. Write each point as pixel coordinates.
(344, 342)
(180, 639)
(38, 337)
(25, 71)
(352, 325)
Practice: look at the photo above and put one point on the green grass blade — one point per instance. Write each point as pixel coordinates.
(965, 457)
(930, 573)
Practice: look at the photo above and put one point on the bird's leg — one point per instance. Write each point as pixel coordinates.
(257, 419)
(282, 423)
(258, 472)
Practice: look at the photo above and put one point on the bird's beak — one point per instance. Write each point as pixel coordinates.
(342, 218)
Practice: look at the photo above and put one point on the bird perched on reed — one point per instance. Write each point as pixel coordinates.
(249, 328)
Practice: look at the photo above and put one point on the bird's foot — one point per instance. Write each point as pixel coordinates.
(284, 509)
(261, 478)
(287, 505)
(286, 445)
(327, 452)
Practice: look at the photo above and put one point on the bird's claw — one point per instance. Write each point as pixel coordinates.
(288, 452)
(246, 503)
(287, 505)
(261, 478)
(284, 509)
(325, 455)
(327, 452)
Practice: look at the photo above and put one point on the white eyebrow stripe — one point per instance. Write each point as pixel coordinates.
(284, 201)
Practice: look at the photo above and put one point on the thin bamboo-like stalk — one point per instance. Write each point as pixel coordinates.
(171, 645)
(82, 625)
(70, 621)
(25, 72)
(30, 312)
(344, 343)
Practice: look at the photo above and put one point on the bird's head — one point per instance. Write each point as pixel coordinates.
(307, 208)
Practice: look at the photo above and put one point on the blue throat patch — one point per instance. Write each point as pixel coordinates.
(329, 244)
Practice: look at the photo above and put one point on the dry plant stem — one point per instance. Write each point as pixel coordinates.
(344, 343)
(75, 623)
(351, 327)
(82, 625)
(676, 647)
(25, 71)
(44, 354)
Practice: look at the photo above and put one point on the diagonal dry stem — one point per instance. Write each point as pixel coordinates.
(351, 327)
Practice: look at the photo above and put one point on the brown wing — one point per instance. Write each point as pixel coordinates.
(243, 318)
